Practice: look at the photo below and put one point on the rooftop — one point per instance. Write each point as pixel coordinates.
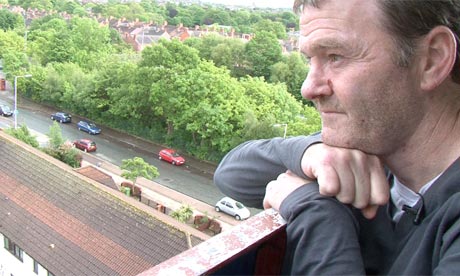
(73, 225)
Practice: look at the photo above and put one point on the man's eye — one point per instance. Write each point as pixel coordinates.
(334, 57)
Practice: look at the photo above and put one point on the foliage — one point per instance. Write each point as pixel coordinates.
(65, 153)
(262, 52)
(204, 218)
(12, 52)
(81, 41)
(60, 149)
(266, 25)
(203, 96)
(137, 167)
(35, 4)
(227, 52)
(183, 214)
(291, 70)
(22, 133)
(55, 136)
(71, 157)
(307, 123)
(9, 20)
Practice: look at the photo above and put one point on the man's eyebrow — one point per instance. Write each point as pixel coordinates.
(327, 43)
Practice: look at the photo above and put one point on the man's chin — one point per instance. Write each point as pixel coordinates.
(337, 139)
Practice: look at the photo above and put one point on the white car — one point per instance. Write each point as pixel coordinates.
(233, 208)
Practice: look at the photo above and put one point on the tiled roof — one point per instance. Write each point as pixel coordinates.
(71, 226)
(99, 176)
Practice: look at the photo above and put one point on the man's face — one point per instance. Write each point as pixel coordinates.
(365, 100)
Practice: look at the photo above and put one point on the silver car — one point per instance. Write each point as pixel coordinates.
(5, 110)
(233, 208)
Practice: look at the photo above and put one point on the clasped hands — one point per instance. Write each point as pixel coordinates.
(352, 176)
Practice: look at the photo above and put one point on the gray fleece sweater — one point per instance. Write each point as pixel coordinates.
(329, 238)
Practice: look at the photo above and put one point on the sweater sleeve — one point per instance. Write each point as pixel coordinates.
(322, 235)
(245, 171)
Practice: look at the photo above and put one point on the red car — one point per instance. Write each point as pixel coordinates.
(85, 145)
(171, 156)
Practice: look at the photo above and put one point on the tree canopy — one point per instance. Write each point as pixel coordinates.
(203, 96)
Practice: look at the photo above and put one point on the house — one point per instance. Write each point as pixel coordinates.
(98, 175)
(55, 221)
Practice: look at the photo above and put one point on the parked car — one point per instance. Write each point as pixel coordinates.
(61, 117)
(171, 156)
(233, 208)
(89, 127)
(5, 110)
(85, 145)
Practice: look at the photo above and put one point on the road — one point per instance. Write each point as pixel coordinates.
(193, 179)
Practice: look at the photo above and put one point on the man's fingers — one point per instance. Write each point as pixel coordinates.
(370, 211)
(362, 180)
(380, 189)
(352, 176)
(347, 181)
(328, 180)
(268, 191)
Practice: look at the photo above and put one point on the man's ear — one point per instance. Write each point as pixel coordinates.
(439, 52)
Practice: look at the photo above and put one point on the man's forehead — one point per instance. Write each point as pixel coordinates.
(349, 11)
(331, 26)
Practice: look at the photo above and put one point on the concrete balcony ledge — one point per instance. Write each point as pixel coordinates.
(254, 247)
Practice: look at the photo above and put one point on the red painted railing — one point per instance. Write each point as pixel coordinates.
(254, 247)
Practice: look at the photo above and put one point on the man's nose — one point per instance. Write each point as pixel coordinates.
(316, 84)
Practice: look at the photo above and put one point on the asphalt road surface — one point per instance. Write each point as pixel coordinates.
(193, 179)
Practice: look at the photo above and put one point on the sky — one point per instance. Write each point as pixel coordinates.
(256, 3)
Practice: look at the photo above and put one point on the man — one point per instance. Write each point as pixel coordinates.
(384, 75)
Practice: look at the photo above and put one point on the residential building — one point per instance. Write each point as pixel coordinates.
(55, 221)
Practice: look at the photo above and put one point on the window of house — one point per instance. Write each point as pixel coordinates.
(13, 249)
(50, 274)
(36, 267)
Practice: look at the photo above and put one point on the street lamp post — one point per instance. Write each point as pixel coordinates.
(15, 112)
(285, 128)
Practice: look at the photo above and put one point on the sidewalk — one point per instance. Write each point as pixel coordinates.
(158, 193)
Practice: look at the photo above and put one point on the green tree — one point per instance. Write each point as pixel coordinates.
(216, 16)
(71, 156)
(9, 20)
(212, 109)
(161, 70)
(81, 41)
(290, 20)
(307, 123)
(292, 71)
(51, 41)
(35, 4)
(262, 52)
(12, 52)
(276, 28)
(136, 167)
(22, 133)
(227, 52)
(55, 136)
(271, 100)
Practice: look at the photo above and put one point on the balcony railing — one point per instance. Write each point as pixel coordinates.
(254, 247)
